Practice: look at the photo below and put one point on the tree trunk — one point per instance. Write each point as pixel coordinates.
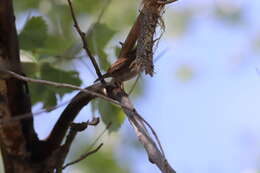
(18, 139)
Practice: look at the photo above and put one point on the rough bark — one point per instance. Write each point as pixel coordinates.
(17, 138)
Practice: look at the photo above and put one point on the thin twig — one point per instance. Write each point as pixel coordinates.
(92, 26)
(59, 85)
(94, 121)
(91, 145)
(83, 156)
(153, 132)
(64, 150)
(55, 84)
(85, 44)
(33, 114)
(155, 154)
(99, 136)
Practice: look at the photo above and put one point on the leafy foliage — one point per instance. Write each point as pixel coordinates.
(29, 4)
(98, 38)
(49, 47)
(57, 45)
(87, 6)
(48, 95)
(111, 114)
(34, 34)
(102, 161)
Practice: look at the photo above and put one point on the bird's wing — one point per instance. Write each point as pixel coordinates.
(117, 65)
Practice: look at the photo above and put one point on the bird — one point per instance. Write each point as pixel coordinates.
(122, 70)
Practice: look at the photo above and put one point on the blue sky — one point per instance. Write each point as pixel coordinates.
(211, 122)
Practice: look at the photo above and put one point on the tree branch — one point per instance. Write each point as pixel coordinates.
(64, 150)
(54, 84)
(67, 116)
(118, 96)
(155, 155)
(85, 44)
(45, 148)
(32, 114)
(17, 139)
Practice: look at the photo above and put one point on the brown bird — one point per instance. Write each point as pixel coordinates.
(122, 70)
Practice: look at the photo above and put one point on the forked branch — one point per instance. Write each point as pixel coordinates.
(118, 96)
(63, 151)
(154, 151)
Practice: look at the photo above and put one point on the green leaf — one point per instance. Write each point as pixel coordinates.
(98, 39)
(60, 49)
(87, 6)
(123, 16)
(51, 73)
(51, 99)
(56, 45)
(41, 93)
(25, 5)
(48, 95)
(111, 114)
(38, 93)
(60, 17)
(34, 34)
(29, 63)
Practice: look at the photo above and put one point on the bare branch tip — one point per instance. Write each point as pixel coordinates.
(79, 126)
(95, 121)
